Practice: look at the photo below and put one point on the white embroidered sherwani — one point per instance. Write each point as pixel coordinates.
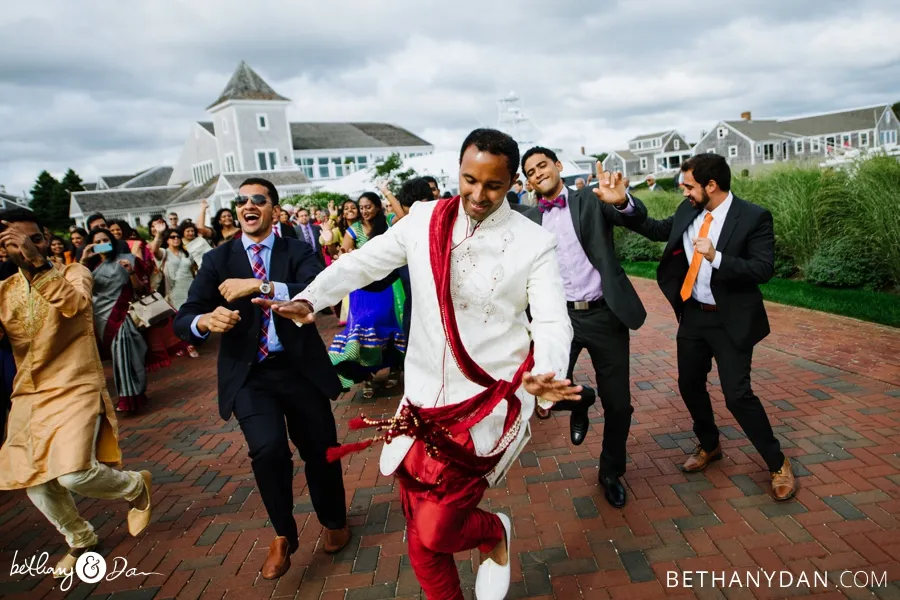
(499, 267)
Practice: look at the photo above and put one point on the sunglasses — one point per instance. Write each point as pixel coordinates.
(256, 199)
(174, 237)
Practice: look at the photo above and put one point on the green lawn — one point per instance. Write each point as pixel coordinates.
(877, 307)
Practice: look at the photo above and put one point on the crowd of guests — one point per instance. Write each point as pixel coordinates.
(127, 266)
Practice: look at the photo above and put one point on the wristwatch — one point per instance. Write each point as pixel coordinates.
(265, 288)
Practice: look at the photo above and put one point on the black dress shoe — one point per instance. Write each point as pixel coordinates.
(579, 423)
(615, 491)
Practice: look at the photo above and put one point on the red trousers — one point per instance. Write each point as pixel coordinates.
(440, 504)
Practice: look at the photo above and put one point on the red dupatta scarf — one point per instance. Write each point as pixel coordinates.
(435, 426)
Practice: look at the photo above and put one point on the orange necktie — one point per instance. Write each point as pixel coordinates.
(694, 269)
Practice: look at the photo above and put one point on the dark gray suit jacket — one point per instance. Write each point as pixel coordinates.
(747, 244)
(594, 221)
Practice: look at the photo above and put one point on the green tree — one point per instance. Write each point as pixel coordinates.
(71, 182)
(316, 200)
(389, 170)
(896, 108)
(45, 195)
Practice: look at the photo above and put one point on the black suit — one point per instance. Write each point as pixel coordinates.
(729, 330)
(603, 328)
(294, 385)
(316, 233)
(288, 231)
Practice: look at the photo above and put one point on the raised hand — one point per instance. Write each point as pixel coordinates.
(299, 311)
(611, 186)
(548, 388)
(16, 241)
(331, 209)
(159, 228)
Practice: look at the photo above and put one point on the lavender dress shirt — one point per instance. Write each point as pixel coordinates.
(581, 281)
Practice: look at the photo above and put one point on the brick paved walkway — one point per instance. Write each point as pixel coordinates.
(832, 389)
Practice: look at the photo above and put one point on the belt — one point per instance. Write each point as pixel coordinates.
(585, 305)
(706, 307)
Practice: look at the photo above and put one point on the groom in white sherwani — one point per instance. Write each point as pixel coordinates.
(474, 364)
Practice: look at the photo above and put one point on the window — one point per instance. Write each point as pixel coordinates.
(768, 152)
(229, 163)
(758, 149)
(677, 145)
(722, 133)
(711, 151)
(845, 140)
(814, 144)
(224, 125)
(888, 137)
(262, 121)
(732, 151)
(863, 138)
(202, 172)
(362, 162)
(266, 160)
(307, 164)
(338, 166)
(323, 168)
(643, 164)
(798, 146)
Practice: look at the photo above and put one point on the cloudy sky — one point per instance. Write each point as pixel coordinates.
(111, 87)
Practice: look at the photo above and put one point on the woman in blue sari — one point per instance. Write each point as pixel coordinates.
(373, 339)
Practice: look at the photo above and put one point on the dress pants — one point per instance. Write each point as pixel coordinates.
(440, 503)
(702, 337)
(54, 498)
(276, 403)
(608, 343)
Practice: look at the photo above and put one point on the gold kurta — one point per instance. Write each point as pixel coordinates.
(59, 389)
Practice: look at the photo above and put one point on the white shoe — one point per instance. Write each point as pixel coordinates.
(492, 581)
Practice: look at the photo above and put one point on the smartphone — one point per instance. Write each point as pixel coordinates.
(103, 248)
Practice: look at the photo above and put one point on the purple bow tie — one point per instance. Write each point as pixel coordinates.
(548, 205)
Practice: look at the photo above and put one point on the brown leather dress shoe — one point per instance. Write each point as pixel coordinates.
(700, 459)
(336, 539)
(278, 560)
(784, 485)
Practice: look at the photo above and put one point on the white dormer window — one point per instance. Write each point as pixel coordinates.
(201, 172)
(722, 133)
(798, 146)
(224, 125)
(677, 144)
(262, 121)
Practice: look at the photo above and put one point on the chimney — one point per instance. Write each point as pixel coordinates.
(745, 116)
(582, 150)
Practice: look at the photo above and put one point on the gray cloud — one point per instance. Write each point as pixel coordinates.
(112, 87)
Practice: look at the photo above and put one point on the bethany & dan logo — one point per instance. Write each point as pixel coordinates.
(89, 568)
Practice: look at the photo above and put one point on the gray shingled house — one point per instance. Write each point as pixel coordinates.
(750, 141)
(649, 153)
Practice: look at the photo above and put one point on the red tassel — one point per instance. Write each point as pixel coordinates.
(336, 453)
(358, 422)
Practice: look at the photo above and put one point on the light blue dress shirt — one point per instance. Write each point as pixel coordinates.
(280, 289)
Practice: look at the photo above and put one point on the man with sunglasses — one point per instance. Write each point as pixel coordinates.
(62, 434)
(275, 378)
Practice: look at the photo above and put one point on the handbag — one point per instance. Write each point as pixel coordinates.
(150, 310)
